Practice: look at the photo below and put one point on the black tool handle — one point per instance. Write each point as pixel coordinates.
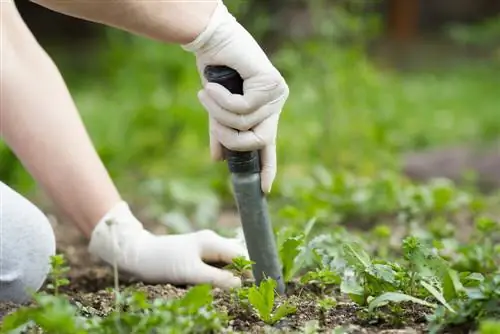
(238, 162)
(251, 202)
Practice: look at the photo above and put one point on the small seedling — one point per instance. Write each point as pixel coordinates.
(289, 251)
(262, 298)
(327, 303)
(240, 266)
(57, 274)
(324, 277)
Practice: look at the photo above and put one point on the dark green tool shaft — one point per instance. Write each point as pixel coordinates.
(250, 200)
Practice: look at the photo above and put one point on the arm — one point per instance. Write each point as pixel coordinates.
(41, 124)
(166, 21)
(206, 29)
(63, 159)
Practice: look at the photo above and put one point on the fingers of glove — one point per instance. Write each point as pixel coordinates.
(262, 135)
(216, 149)
(258, 91)
(215, 248)
(268, 167)
(220, 278)
(229, 118)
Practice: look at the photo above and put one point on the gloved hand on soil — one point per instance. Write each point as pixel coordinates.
(177, 259)
(240, 122)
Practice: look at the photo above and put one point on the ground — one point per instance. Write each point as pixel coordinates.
(90, 281)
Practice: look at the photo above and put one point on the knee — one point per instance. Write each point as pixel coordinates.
(27, 242)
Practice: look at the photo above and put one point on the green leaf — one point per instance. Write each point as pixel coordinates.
(309, 226)
(382, 272)
(423, 259)
(18, 319)
(324, 276)
(432, 290)
(489, 326)
(197, 297)
(259, 304)
(239, 265)
(396, 297)
(327, 302)
(486, 224)
(282, 311)
(53, 314)
(266, 288)
(452, 287)
(288, 254)
(353, 289)
(262, 298)
(355, 255)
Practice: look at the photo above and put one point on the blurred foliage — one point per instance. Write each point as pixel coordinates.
(486, 33)
(334, 21)
(138, 100)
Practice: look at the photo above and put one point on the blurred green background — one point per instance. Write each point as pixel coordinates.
(369, 81)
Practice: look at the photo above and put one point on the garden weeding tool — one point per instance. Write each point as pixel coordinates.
(250, 200)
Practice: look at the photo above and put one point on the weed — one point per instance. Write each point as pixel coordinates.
(57, 274)
(263, 297)
(193, 312)
(327, 303)
(240, 266)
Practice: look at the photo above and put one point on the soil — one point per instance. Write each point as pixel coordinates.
(90, 281)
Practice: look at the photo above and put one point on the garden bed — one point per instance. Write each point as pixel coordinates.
(318, 300)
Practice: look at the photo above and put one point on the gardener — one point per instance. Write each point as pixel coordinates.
(41, 125)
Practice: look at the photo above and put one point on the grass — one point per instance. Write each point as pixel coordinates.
(378, 249)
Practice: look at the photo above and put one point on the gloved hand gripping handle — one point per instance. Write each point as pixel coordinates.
(252, 205)
(238, 162)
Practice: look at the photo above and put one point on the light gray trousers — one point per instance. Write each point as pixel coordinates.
(26, 244)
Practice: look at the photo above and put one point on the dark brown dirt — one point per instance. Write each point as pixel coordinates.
(91, 280)
(6, 308)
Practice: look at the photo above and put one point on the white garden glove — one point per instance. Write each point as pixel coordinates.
(175, 259)
(240, 123)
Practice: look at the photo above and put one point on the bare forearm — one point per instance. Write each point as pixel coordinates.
(167, 21)
(40, 123)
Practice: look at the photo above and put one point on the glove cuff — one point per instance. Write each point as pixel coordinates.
(220, 16)
(116, 227)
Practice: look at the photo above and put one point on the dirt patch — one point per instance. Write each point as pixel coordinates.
(90, 283)
(6, 308)
(91, 280)
(244, 320)
(347, 315)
